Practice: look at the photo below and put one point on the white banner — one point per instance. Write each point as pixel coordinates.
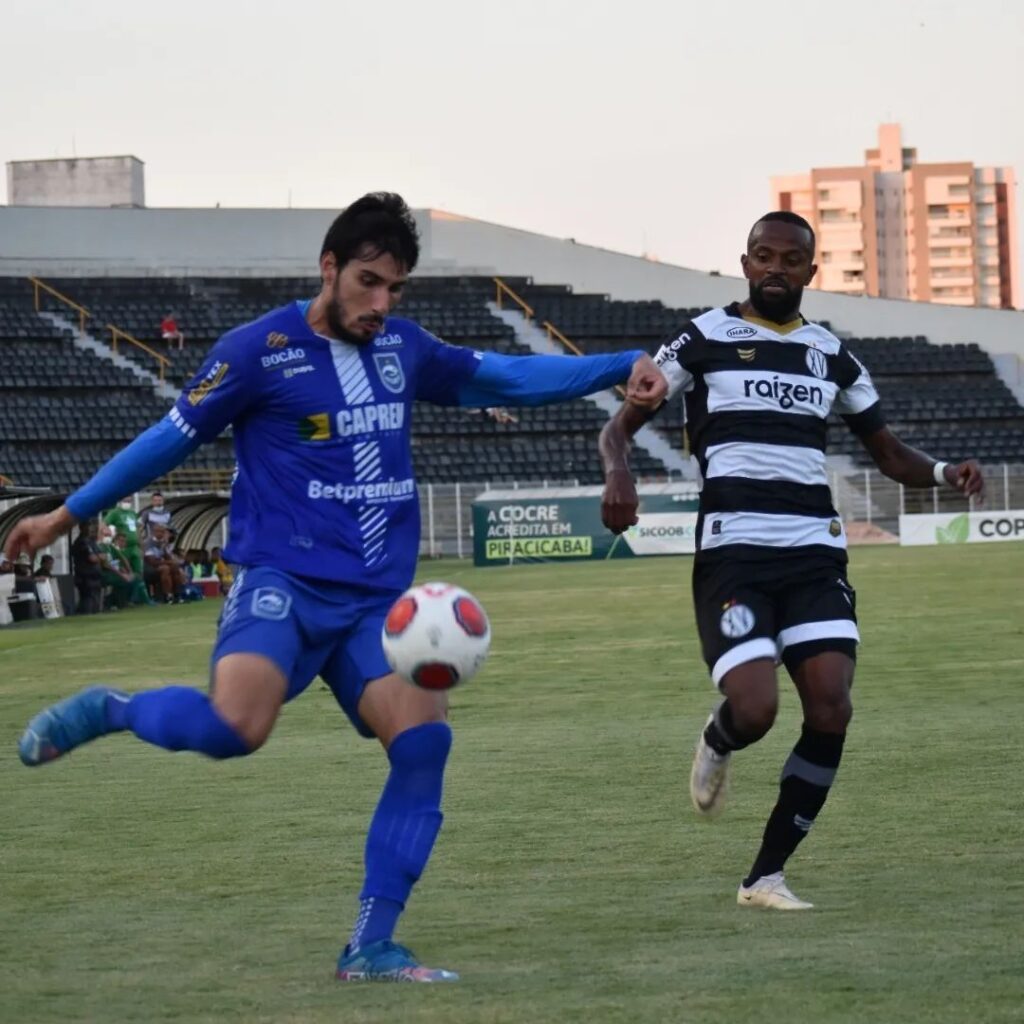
(962, 528)
(663, 533)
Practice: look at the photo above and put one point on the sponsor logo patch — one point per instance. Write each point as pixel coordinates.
(741, 332)
(315, 427)
(275, 339)
(289, 355)
(213, 379)
(389, 367)
(746, 354)
(388, 341)
(835, 528)
(270, 603)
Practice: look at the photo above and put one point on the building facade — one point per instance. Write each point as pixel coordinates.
(899, 229)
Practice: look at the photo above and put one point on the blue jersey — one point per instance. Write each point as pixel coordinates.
(324, 485)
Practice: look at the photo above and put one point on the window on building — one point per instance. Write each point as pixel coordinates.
(853, 275)
(959, 190)
(826, 257)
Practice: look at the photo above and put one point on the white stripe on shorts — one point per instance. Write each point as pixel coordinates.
(759, 647)
(830, 629)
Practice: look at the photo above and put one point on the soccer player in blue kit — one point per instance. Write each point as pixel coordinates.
(324, 523)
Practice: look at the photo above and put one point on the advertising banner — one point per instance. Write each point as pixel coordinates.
(962, 528)
(539, 526)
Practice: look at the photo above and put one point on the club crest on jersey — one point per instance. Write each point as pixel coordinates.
(737, 620)
(817, 363)
(389, 367)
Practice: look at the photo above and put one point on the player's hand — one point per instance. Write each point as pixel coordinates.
(967, 478)
(619, 501)
(29, 535)
(647, 386)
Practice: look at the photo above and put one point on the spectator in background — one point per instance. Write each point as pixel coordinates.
(163, 572)
(156, 515)
(125, 520)
(85, 556)
(224, 572)
(171, 333)
(44, 570)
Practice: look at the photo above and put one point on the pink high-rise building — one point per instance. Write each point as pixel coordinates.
(901, 229)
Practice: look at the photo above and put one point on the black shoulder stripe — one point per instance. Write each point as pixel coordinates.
(871, 420)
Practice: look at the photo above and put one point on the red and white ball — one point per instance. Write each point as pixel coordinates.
(436, 635)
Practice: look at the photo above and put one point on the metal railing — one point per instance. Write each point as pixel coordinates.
(116, 333)
(37, 285)
(503, 289)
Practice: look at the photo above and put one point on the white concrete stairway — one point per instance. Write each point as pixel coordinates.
(529, 334)
(87, 342)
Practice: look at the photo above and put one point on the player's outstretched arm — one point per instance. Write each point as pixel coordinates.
(619, 502)
(913, 468)
(152, 454)
(541, 380)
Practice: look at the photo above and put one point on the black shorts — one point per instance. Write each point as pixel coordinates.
(782, 609)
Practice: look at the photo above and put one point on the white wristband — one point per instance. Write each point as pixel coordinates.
(939, 472)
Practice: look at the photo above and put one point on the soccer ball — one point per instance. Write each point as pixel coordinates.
(436, 635)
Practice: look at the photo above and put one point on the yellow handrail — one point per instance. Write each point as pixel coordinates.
(554, 332)
(83, 313)
(116, 332)
(517, 299)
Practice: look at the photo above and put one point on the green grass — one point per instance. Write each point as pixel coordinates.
(571, 882)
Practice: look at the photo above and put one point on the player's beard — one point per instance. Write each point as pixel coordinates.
(336, 322)
(772, 307)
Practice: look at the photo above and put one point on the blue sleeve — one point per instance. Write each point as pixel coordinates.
(441, 369)
(158, 450)
(540, 380)
(224, 388)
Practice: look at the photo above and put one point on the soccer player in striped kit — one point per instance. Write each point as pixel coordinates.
(325, 529)
(769, 576)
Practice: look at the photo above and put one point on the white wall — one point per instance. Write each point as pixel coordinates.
(90, 181)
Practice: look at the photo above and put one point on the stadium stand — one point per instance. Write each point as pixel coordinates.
(66, 410)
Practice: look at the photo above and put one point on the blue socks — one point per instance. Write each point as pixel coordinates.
(175, 718)
(403, 829)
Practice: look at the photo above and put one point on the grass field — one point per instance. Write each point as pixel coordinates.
(571, 882)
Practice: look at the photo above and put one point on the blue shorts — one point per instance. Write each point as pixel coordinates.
(308, 628)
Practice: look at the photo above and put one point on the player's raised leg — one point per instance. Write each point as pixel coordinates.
(234, 720)
(410, 724)
(823, 681)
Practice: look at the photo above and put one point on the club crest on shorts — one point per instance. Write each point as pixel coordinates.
(389, 367)
(817, 363)
(270, 603)
(737, 620)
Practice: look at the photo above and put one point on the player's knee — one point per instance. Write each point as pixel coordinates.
(831, 712)
(754, 713)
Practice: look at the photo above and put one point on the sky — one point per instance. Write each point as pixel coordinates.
(645, 127)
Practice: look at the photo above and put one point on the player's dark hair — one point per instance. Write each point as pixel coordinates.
(380, 223)
(785, 217)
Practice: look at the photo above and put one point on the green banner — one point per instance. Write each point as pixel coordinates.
(534, 526)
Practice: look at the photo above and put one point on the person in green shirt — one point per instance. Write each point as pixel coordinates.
(125, 586)
(125, 520)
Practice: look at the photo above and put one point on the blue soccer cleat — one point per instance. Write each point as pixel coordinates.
(66, 725)
(387, 961)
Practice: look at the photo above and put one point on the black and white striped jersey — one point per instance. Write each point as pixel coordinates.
(757, 402)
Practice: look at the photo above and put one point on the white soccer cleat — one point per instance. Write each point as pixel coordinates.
(772, 893)
(709, 778)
